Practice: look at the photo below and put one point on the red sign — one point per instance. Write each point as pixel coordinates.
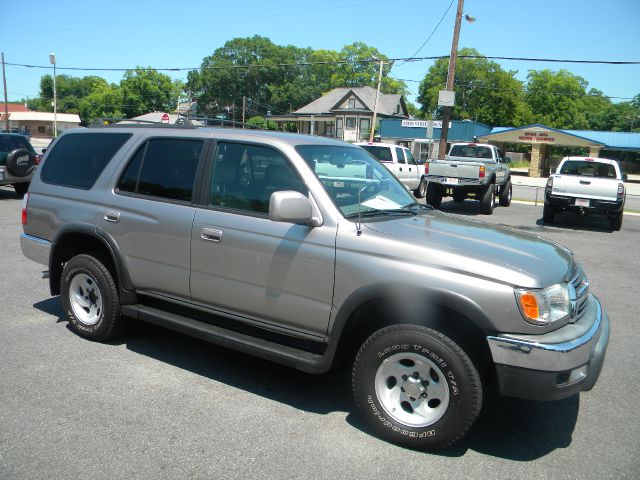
(165, 118)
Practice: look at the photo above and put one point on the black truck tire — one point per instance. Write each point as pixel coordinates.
(548, 213)
(415, 386)
(488, 199)
(434, 194)
(505, 194)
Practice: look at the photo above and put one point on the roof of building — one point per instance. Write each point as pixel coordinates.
(45, 117)
(329, 102)
(14, 107)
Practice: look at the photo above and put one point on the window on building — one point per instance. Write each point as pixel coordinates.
(350, 123)
(352, 103)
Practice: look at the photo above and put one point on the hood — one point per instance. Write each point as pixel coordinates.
(486, 250)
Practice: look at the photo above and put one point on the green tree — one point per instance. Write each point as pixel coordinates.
(484, 91)
(146, 90)
(105, 101)
(557, 99)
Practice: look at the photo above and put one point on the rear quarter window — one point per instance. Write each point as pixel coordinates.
(77, 160)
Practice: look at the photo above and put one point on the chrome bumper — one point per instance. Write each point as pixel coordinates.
(35, 248)
(555, 351)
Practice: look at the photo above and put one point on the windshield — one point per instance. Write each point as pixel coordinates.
(586, 168)
(349, 172)
(381, 153)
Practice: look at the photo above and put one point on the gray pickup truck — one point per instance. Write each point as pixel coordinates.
(472, 170)
(307, 251)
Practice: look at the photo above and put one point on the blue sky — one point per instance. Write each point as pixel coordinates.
(170, 33)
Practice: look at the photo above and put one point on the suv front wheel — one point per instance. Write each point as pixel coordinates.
(417, 387)
(90, 298)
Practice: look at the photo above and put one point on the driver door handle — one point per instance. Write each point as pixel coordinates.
(211, 235)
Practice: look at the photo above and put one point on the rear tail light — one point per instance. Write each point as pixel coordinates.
(549, 186)
(25, 200)
(482, 171)
(620, 191)
(426, 168)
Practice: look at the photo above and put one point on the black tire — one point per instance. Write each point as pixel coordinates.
(421, 191)
(21, 188)
(86, 279)
(506, 192)
(615, 222)
(434, 194)
(488, 199)
(548, 213)
(442, 366)
(21, 162)
(459, 195)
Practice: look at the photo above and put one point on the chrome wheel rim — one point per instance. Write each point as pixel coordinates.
(85, 299)
(423, 188)
(412, 389)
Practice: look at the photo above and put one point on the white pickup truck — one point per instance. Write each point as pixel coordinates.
(586, 185)
(470, 170)
(401, 162)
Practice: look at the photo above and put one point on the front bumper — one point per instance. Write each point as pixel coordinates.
(554, 365)
(595, 206)
(35, 248)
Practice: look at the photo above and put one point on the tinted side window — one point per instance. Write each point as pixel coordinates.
(169, 168)
(410, 159)
(400, 155)
(245, 176)
(78, 159)
(129, 180)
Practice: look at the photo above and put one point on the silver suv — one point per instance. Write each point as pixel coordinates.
(307, 251)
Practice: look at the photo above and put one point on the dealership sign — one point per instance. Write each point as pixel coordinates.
(536, 136)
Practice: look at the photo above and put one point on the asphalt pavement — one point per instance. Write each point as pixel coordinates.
(156, 404)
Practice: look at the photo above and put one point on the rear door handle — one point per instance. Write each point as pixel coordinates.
(112, 216)
(585, 182)
(211, 235)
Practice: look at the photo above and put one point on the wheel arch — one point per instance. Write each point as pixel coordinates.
(76, 239)
(368, 309)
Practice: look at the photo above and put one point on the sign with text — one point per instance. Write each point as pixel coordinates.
(535, 136)
(422, 123)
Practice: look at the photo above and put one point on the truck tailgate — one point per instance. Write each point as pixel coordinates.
(585, 187)
(454, 169)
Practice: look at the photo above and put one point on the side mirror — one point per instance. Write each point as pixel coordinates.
(553, 170)
(624, 177)
(291, 207)
(507, 160)
(44, 150)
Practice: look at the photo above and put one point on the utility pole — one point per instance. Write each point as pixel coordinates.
(6, 105)
(375, 104)
(244, 108)
(453, 58)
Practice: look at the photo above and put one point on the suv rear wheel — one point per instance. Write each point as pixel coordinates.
(90, 298)
(415, 386)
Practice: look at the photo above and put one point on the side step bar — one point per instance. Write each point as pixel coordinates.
(300, 359)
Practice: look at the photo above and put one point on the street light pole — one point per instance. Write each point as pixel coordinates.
(52, 59)
(375, 104)
(453, 58)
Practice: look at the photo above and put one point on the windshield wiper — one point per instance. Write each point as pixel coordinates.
(384, 211)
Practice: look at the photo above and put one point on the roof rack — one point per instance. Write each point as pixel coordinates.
(181, 122)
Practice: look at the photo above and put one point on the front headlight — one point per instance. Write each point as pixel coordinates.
(542, 307)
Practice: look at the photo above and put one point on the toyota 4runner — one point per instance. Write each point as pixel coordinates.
(306, 251)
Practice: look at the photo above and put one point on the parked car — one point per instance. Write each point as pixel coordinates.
(586, 186)
(470, 170)
(400, 161)
(18, 160)
(307, 251)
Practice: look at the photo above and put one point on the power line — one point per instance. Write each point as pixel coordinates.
(431, 34)
(334, 62)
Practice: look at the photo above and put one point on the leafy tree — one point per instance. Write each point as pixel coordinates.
(557, 99)
(103, 102)
(484, 91)
(147, 90)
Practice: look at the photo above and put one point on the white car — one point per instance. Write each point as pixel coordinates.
(586, 185)
(400, 161)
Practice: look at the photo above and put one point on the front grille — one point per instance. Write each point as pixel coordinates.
(581, 289)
